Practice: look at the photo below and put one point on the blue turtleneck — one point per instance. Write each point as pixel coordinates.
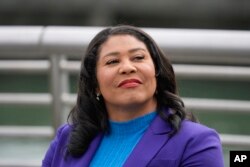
(117, 145)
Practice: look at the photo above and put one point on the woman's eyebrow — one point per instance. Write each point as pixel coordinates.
(136, 49)
(111, 54)
(118, 53)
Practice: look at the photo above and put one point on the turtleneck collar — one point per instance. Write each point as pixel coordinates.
(131, 127)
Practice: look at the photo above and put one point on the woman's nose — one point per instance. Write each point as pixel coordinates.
(127, 67)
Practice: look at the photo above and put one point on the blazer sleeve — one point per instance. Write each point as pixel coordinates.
(50, 154)
(203, 150)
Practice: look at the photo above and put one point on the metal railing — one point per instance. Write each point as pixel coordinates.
(56, 51)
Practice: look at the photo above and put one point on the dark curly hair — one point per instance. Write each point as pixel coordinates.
(89, 116)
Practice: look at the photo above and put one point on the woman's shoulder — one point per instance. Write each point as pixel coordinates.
(201, 144)
(193, 130)
(57, 144)
(187, 124)
(194, 127)
(63, 131)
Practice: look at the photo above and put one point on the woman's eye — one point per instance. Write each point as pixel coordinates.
(111, 62)
(139, 57)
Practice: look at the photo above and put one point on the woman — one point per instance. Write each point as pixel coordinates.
(128, 112)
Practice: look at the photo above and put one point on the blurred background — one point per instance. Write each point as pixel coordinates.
(202, 14)
(25, 129)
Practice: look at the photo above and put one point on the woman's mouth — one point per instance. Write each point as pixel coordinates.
(129, 83)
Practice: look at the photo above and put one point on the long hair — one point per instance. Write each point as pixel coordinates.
(89, 116)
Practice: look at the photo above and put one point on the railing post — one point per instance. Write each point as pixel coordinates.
(59, 85)
(65, 88)
(55, 89)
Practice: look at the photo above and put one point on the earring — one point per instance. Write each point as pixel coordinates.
(98, 96)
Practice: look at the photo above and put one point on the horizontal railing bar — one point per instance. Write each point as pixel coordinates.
(70, 66)
(77, 37)
(235, 140)
(20, 163)
(25, 98)
(218, 105)
(182, 45)
(241, 106)
(188, 71)
(212, 72)
(69, 99)
(24, 66)
(234, 106)
(26, 131)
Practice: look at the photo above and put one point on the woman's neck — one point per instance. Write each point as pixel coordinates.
(129, 112)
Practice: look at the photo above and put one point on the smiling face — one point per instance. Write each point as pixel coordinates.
(126, 77)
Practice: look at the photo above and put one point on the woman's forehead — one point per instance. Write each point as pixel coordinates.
(118, 42)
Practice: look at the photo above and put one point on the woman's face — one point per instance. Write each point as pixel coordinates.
(126, 74)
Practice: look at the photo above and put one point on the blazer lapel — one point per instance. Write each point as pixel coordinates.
(152, 141)
(86, 158)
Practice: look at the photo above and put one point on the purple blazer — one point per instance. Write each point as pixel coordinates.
(194, 145)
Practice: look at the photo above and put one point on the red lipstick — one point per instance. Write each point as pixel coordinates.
(129, 83)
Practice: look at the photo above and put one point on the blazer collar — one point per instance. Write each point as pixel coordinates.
(149, 145)
(160, 126)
